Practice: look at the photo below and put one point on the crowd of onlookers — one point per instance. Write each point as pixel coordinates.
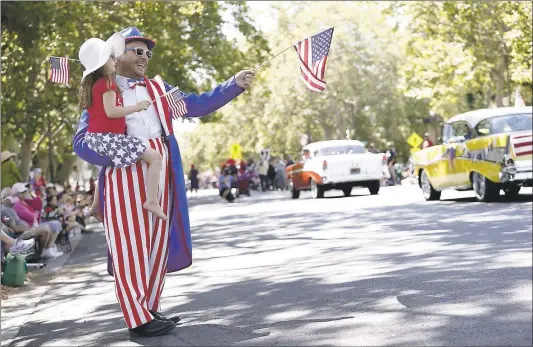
(40, 218)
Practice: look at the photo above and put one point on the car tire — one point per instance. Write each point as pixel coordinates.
(430, 194)
(512, 191)
(347, 191)
(485, 189)
(317, 191)
(295, 193)
(373, 187)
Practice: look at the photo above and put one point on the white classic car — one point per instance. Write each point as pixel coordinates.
(336, 164)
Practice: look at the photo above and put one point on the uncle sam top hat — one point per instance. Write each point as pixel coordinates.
(133, 34)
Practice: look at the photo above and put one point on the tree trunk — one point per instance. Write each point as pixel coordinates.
(25, 156)
(50, 160)
(498, 77)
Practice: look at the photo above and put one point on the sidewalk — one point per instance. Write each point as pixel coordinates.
(79, 308)
(71, 302)
(22, 302)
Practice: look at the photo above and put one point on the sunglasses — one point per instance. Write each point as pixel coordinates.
(140, 51)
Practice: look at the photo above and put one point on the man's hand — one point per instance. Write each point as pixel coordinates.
(244, 78)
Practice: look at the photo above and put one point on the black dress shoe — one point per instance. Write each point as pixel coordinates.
(160, 316)
(154, 327)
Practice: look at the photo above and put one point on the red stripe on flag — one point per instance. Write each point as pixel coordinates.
(524, 153)
(308, 75)
(67, 71)
(310, 81)
(307, 60)
(523, 144)
(323, 70)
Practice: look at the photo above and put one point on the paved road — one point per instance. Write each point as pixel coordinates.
(389, 269)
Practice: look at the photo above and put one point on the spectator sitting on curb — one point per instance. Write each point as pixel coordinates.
(21, 230)
(10, 171)
(15, 246)
(53, 212)
(30, 216)
(51, 190)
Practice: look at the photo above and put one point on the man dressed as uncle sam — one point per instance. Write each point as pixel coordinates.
(142, 248)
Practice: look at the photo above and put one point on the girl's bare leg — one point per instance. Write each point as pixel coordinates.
(95, 208)
(153, 172)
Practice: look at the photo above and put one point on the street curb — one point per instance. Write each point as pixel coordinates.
(15, 320)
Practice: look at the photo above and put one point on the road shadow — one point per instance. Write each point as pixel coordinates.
(291, 303)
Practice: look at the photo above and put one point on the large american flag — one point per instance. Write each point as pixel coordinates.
(59, 72)
(313, 53)
(176, 103)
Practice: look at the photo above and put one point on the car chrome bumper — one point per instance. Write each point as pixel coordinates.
(516, 174)
(349, 179)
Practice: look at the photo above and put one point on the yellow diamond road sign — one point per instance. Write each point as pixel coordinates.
(414, 140)
(235, 151)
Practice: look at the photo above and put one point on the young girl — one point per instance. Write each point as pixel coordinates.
(101, 96)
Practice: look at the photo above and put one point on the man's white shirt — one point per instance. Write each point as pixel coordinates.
(144, 124)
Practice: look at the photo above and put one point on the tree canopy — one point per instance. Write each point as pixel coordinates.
(189, 42)
(393, 67)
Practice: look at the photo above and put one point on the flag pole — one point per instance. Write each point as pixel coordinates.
(170, 91)
(266, 62)
(65, 58)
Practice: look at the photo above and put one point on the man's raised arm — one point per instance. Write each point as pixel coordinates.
(207, 103)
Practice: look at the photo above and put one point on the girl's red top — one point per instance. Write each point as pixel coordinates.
(99, 122)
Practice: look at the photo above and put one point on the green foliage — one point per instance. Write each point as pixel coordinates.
(391, 67)
(188, 38)
(461, 48)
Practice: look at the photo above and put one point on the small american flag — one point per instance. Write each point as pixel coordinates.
(313, 53)
(176, 103)
(59, 73)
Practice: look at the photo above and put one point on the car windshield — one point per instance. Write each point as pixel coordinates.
(503, 124)
(348, 149)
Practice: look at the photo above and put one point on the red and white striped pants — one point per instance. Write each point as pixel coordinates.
(137, 241)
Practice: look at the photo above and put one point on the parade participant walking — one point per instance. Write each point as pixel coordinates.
(142, 249)
(193, 176)
(101, 97)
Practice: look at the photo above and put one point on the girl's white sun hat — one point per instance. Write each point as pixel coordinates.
(95, 52)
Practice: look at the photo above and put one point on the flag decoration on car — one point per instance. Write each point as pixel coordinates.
(313, 54)
(59, 70)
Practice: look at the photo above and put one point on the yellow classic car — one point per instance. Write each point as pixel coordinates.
(485, 150)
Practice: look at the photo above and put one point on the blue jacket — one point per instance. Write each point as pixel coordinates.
(180, 246)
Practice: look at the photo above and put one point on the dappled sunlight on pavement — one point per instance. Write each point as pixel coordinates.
(389, 269)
